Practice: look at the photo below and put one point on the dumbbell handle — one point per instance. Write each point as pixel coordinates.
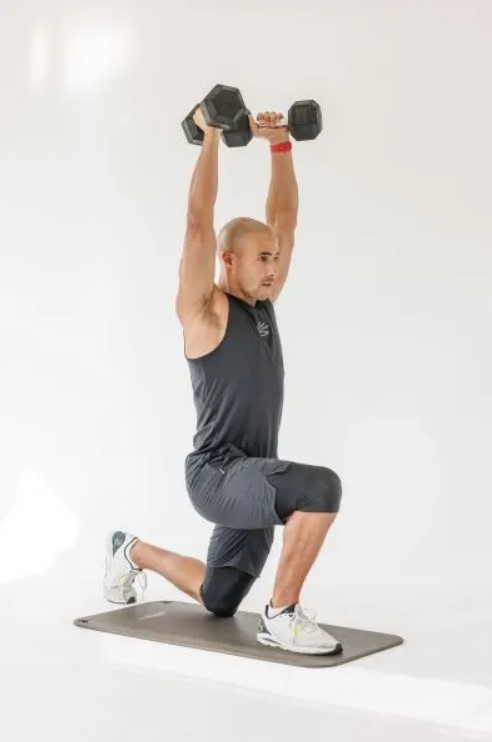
(284, 121)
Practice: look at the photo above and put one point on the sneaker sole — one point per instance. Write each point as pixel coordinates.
(268, 641)
(121, 602)
(113, 595)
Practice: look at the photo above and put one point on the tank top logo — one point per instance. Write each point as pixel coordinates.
(263, 328)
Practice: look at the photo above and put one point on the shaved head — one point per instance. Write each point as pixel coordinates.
(230, 237)
(248, 253)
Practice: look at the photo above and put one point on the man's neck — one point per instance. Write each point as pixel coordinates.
(228, 290)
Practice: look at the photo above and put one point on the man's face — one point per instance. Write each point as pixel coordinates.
(257, 263)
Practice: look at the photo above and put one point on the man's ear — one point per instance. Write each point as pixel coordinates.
(228, 258)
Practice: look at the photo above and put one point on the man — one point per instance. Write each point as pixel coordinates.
(233, 476)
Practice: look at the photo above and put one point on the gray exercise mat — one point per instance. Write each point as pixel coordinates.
(189, 625)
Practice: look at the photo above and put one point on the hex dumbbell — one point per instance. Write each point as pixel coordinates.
(223, 107)
(304, 122)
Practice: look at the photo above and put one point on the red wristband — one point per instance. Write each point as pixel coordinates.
(281, 147)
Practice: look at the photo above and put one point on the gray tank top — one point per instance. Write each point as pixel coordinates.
(238, 388)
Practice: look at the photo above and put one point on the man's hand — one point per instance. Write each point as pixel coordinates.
(199, 120)
(267, 127)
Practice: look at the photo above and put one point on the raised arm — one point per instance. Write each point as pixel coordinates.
(197, 265)
(283, 200)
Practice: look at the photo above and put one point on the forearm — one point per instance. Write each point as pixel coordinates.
(204, 181)
(283, 197)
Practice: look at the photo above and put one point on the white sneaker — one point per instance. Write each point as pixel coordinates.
(295, 630)
(121, 571)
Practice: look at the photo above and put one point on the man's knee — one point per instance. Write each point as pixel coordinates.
(223, 590)
(220, 605)
(333, 490)
(220, 608)
(326, 492)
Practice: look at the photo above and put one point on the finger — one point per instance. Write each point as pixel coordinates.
(253, 125)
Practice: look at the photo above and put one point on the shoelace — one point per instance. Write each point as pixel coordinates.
(304, 618)
(141, 578)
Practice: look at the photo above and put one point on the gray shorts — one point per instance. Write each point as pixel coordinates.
(247, 496)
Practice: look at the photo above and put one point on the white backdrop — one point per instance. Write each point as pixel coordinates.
(385, 317)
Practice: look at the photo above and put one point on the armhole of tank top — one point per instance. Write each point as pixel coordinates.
(211, 353)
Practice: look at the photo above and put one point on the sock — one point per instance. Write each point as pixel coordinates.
(272, 612)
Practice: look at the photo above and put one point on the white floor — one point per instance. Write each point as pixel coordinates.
(60, 682)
